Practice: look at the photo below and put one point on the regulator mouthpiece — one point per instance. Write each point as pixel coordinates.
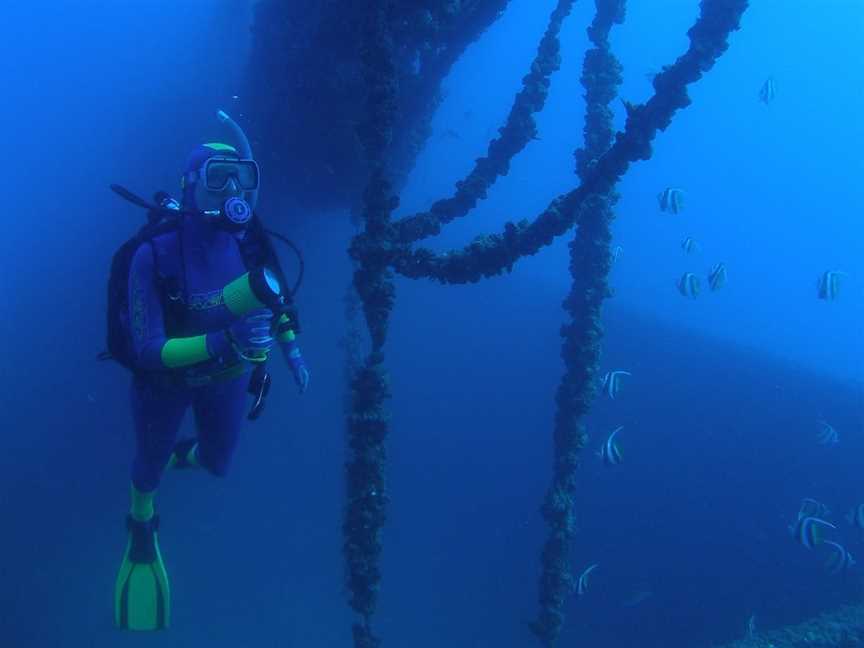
(237, 212)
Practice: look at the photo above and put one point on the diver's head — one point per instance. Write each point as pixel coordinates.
(215, 184)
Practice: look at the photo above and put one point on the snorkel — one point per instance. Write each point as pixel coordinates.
(243, 148)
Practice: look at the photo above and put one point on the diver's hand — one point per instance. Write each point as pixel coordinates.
(298, 366)
(250, 336)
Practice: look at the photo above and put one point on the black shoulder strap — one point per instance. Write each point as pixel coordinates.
(168, 281)
(257, 251)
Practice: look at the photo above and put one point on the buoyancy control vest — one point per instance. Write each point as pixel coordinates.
(164, 217)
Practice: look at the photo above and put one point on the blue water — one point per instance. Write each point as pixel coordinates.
(720, 414)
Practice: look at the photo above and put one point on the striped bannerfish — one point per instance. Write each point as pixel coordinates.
(688, 285)
(611, 383)
(582, 583)
(828, 285)
(751, 627)
(812, 508)
(855, 517)
(671, 200)
(768, 91)
(840, 559)
(807, 531)
(827, 434)
(689, 245)
(717, 277)
(611, 452)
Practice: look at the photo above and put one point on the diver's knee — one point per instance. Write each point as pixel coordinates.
(216, 466)
(218, 470)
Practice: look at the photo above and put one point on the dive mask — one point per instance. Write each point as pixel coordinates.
(218, 171)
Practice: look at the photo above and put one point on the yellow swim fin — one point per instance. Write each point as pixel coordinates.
(142, 596)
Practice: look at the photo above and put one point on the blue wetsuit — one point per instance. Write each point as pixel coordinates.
(200, 261)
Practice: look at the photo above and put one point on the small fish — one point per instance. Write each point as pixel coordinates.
(807, 531)
(855, 517)
(768, 91)
(611, 452)
(840, 560)
(828, 285)
(717, 277)
(611, 383)
(688, 285)
(671, 200)
(811, 508)
(637, 597)
(827, 435)
(751, 627)
(582, 583)
(235, 96)
(451, 134)
(616, 252)
(689, 245)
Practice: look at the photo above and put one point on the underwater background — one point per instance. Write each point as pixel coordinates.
(721, 412)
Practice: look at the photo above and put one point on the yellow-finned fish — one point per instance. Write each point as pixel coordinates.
(717, 277)
(611, 451)
(855, 517)
(812, 508)
(582, 583)
(689, 245)
(768, 91)
(611, 383)
(840, 559)
(808, 531)
(827, 434)
(688, 285)
(671, 200)
(828, 286)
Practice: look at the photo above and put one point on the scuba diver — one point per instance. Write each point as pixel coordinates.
(197, 300)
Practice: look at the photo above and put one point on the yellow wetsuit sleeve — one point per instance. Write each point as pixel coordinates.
(182, 352)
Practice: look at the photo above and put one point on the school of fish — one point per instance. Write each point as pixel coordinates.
(813, 518)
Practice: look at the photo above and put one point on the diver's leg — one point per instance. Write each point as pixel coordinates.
(185, 454)
(157, 413)
(142, 595)
(220, 410)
